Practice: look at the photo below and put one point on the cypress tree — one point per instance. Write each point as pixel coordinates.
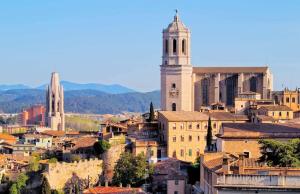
(151, 116)
(209, 136)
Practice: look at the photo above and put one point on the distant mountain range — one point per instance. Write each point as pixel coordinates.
(82, 100)
(68, 86)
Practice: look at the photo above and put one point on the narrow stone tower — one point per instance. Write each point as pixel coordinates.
(176, 69)
(55, 115)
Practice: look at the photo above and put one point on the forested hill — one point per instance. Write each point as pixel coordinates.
(81, 101)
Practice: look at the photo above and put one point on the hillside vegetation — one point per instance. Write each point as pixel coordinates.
(81, 101)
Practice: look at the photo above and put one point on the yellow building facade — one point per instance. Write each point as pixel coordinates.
(185, 131)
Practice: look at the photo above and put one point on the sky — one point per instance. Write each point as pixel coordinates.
(120, 42)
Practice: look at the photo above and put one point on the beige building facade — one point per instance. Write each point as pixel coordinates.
(187, 88)
(185, 131)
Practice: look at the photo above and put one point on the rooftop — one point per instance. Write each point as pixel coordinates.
(276, 108)
(260, 130)
(112, 190)
(230, 69)
(184, 115)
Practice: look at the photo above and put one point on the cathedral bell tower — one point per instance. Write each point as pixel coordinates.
(176, 68)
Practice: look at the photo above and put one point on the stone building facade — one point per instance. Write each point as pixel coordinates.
(187, 88)
(55, 114)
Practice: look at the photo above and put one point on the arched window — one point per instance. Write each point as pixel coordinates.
(183, 46)
(166, 46)
(174, 45)
(173, 106)
(173, 85)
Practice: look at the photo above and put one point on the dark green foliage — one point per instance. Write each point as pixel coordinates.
(130, 169)
(151, 115)
(278, 153)
(81, 101)
(194, 172)
(101, 146)
(19, 185)
(209, 136)
(45, 187)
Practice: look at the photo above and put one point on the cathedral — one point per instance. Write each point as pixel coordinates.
(188, 88)
(55, 116)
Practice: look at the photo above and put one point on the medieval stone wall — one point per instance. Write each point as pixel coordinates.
(59, 173)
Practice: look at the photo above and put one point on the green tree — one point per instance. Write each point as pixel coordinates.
(34, 164)
(130, 169)
(45, 187)
(278, 153)
(77, 190)
(19, 185)
(13, 189)
(151, 115)
(209, 136)
(194, 172)
(101, 146)
(52, 160)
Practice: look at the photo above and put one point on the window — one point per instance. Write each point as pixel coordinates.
(247, 154)
(152, 153)
(174, 107)
(173, 85)
(174, 46)
(287, 114)
(198, 138)
(182, 153)
(287, 100)
(181, 126)
(166, 46)
(190, 138)
(174, 154)
(174, 125)
(174, 139)
(190, 126)
(182, 138)
(215, 125)
(176, 182)
(175, 192)
(198, 152)
(190, 152)
(280, 114)
(293, 100)
(198, 126)
(183, 46)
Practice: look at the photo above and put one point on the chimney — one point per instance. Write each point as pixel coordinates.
(106, 183)
(225, 165)
(128, 186)
(241, 163)
(120, 185)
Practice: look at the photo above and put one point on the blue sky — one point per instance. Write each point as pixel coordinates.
(120, 41)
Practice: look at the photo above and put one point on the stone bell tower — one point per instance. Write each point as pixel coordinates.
(55, 115)
(176, 69)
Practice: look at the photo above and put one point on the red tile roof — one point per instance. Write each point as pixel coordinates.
(112, 190)
(53, 133)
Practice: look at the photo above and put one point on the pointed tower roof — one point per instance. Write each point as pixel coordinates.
(176, 25)
(54, 84)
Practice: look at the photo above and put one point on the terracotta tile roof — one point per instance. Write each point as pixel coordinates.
(184, 115)
(8, 138)
(226, 116)
(53, 133)
(170, 169)
(83, 142)
(275, 108)
(261, 130)
(112, 190)
(230, 69)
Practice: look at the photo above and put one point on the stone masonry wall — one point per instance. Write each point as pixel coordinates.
(59, 173)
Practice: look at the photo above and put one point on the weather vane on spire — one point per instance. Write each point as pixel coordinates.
(176, 15)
